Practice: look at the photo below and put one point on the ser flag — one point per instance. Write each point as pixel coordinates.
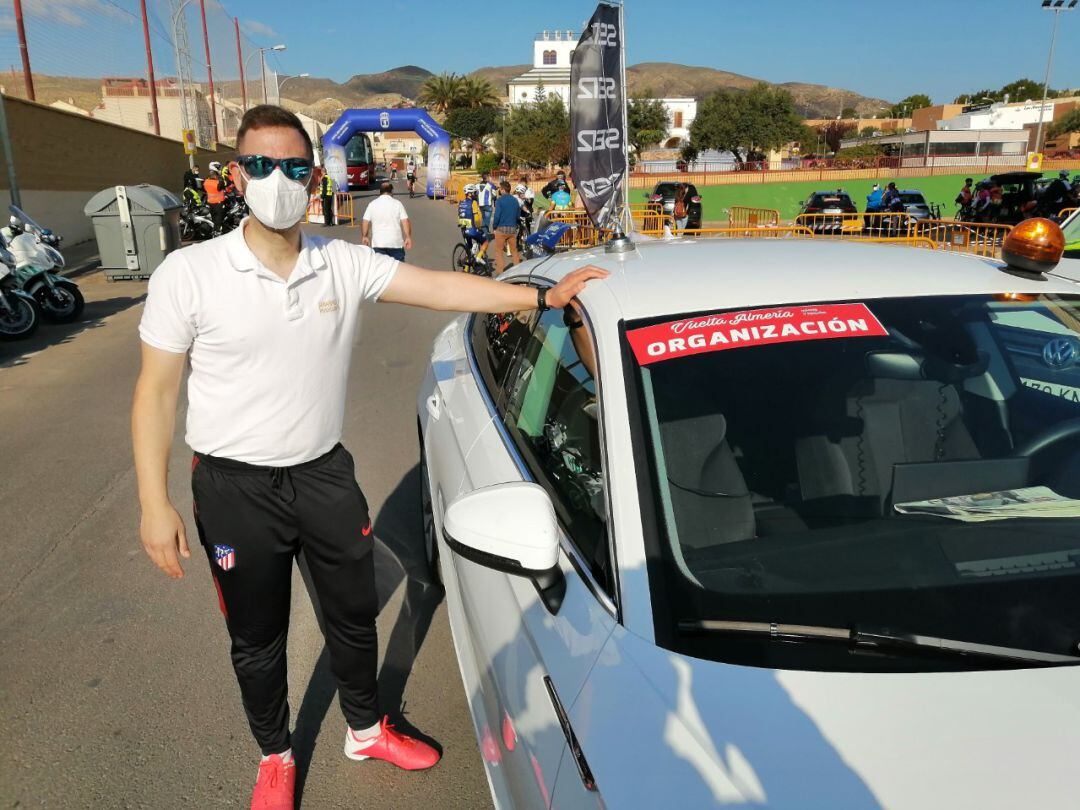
(598, 143)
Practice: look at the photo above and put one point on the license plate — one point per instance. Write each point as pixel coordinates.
(1054, 389)
(834, 211)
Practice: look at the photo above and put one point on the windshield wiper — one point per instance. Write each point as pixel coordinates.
(869, 638)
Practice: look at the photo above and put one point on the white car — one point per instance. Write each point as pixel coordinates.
(687, 547)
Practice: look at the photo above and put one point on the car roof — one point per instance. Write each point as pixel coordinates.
(1014, 177)
(673, 277)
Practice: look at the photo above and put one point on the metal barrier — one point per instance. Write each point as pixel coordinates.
(344, 211)
(750, 232)
(855, 225)
(649, 218)
(978, 238)
(745, 216)
(1064, 213)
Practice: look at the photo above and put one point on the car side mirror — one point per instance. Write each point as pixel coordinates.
(510, 528)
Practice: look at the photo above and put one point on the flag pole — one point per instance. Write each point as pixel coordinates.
(627, 219)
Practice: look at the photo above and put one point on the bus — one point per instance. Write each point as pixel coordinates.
(360, 161)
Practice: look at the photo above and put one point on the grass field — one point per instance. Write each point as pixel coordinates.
(788, 197)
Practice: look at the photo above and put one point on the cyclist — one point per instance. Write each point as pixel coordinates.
(558, 184)
(471, 224)
(410, 175)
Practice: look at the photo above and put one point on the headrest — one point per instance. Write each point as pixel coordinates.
(904, 366)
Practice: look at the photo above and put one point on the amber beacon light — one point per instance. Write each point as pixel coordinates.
(1035, 245)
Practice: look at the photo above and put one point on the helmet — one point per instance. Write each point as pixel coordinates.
(15, 222)
(1064, 174)
(214, 166)
(470, 188)
(521, 188)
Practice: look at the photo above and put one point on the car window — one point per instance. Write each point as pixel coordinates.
(497, 340)
(552, 413)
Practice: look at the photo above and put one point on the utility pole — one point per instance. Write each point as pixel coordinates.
(209, 71)
(150, 69)
(21, 28)
(240, 59)
(1057, 6)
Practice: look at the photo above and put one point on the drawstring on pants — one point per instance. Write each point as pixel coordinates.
(281, 483)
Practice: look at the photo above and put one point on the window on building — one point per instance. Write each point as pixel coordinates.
(149, 120)
(549, 57)
(676, 120)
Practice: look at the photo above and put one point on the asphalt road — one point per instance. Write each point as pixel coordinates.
(115, 683)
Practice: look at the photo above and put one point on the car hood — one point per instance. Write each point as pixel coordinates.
(654, 725)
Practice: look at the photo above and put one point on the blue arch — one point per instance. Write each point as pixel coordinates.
(354, 121)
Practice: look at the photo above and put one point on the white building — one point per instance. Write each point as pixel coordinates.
(1000, 116)
(552, 51)
(681, 113)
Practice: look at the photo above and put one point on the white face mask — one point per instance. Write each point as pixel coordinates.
(276, 201)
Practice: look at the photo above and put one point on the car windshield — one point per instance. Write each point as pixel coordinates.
(909, 198)
(665, 189)
(906, 463)
(1071, 229)
(838, 200)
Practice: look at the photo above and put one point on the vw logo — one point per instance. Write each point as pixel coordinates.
(384, 120)
(1059, 352)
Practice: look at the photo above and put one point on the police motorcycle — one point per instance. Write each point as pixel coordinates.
(37, 262)
(235, 210)
(195, 222)
(19, 313)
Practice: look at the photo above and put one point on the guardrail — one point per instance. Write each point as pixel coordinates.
(649, 217)
(344, 211)
(978, 238)
(778, 232)
(853, 225)
(745, 216)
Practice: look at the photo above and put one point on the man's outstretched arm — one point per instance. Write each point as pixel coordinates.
(462, 292)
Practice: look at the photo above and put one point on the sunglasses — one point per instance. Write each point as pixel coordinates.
(259, 166)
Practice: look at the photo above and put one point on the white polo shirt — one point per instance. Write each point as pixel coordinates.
(269, 358)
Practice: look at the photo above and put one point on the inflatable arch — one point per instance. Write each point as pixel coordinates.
(353, 121)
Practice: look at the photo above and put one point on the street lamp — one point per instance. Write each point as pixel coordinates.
(1056, 6)
(282, 82)
(262, 60)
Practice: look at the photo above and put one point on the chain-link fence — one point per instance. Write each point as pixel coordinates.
(97, 57)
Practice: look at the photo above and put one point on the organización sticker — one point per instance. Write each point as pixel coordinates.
(752, 327)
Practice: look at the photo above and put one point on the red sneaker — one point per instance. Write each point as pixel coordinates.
(393, 746)
(275, 786)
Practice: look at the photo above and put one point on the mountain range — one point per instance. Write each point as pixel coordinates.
(323, 97)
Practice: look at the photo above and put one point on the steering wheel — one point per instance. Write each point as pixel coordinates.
(1062, 431)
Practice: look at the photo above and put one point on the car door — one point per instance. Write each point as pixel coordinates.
(533, 656)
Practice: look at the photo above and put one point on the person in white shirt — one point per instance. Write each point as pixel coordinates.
(385, 226)
(266, 316)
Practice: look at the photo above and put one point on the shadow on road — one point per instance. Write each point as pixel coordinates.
(49, 334)
(399, 556)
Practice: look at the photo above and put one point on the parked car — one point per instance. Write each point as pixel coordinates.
(1017, 190)
(664, 193)
(828, 202)
(683, 531)
(917, 207)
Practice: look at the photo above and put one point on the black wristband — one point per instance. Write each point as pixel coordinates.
(541, 299)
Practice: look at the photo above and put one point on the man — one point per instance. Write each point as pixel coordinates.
(528, 197)
(385, 226)
(505, 225)
(326, 194)
(269, 316)
(392, 168)
(215, 196)
(525, 197)
(410, 176)
(890, 200)
(471, 223)
(558, 184)
(485, 198)
(192, 179)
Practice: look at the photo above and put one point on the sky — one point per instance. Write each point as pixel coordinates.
(879, 49)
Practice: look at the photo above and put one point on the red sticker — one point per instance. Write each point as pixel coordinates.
(752, 327)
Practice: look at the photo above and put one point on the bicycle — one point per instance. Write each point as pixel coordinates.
(465, 256)
(411, 178)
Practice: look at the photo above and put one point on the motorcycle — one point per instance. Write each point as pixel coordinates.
(19, 316)
(37, 261)
(235, 211)
(195, 223)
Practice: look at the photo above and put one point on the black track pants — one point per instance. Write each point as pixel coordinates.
(252, 521)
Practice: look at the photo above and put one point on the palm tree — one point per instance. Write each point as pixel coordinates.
(476, 91)
(441, 93)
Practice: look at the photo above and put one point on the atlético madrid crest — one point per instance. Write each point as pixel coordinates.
(225, 557)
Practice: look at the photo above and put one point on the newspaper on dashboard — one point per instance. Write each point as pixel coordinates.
(1029, 502)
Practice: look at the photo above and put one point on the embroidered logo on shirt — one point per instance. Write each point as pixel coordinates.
(225, 557)
(328, 306)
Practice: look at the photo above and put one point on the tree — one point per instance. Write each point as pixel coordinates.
(1019, 90)
(761, 118)
(848, 112)
(473, 124)
(648, 121)
(441, 93)
(904, 107)
(539, 94)
(537, 133)
(834, 132)
(1070, 122)
(475, 91)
